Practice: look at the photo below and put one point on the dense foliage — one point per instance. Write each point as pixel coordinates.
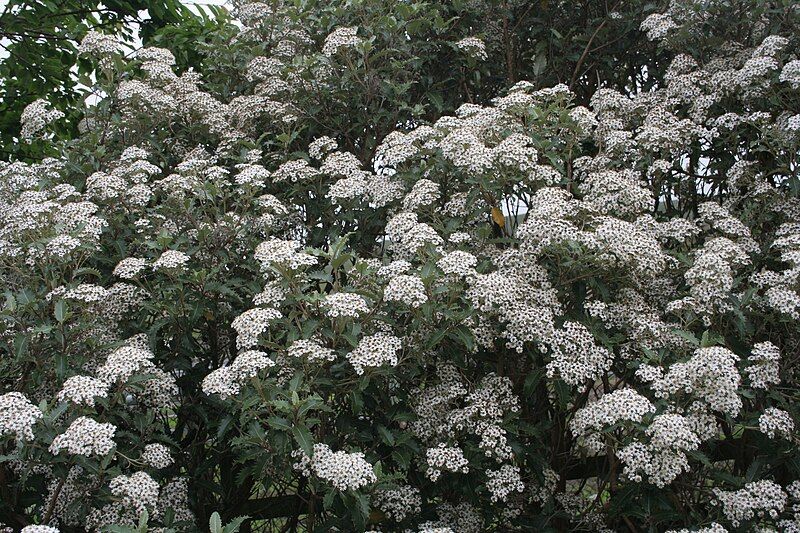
(442, 267)
(39, 50)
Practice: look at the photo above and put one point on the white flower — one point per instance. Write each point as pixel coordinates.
(473, 47)
(18, 415)
(776, 423)
(171, 260)
(503, 482)
(406, 289)
(157, 456)
(375, 350)
(85, 436)
(345, 304)
(252, 323)
(345, 37)
(138, 491)
(344, 471)
(447, 458)
(83, 390)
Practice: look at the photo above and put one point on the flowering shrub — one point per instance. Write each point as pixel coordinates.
(274, 288)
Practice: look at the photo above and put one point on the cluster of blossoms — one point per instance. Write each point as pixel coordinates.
(345, 305)
(756, 500)
(85, 436)
(36, 116)
(408, 290)
(399, 502)
(157, 455)
(250, 324)
(611, 409)
(710, 375)
(776, 423)
(311, 351)
(445, 458)
(340, 38)
(138, 491)
(473, 47)
(83, 390)
(18, 415)
(664, 457)
(503, 482)
(375, 350)
(448, 410)
(344, 471)
(226, 380)
(598, 278)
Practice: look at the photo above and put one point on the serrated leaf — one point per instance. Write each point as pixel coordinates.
(279, 423)
(303, 438)
(234, 525)
(215, 523)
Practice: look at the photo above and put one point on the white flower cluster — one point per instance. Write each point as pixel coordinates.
(345, 37)
(710, 375)
(124, 362)
(18, 415)
(85, 436)
(38, 529)
(575, 356)
(625, 405)
(503, 482)
(227, 380)
(344, 471)
(399, 502)
(84, 292)
(423, 194)
(36, 116)
(713, 528)
(445, 458)
(757, 499)
(138, 491)
(294, 171)
(130, 267)
(157, 455)
(458, 263)
(407, 235)
(345, 305)
(253, 323)
(764, 370)
(657, 26)
(99, 44)
(321, 146)
(171, 260)
(406, 289)
(82, 390)
(473, 47)
(311, 351)
(776, 422)
(521, 297)
(374, 351)
(282, 253)
(447, 409)
(663, 458)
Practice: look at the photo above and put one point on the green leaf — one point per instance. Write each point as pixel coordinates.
(234, 525)
(215, 523)
(279, 423)
(60, 310)
(303, 437)
(688, 335)
(143, 518)
(386, 435)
